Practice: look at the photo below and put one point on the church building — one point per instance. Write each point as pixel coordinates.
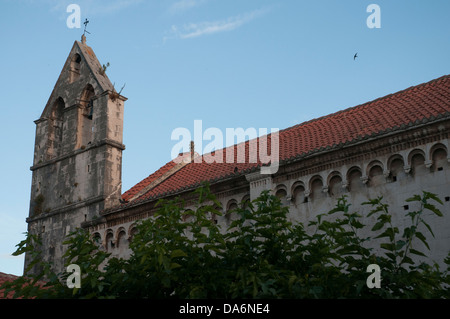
(395, 146)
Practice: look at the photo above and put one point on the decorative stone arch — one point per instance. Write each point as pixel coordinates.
(118, 230)
(55, 128)
(396, 167)
(316, 186)
(416, 161)
(132, 230)
(97, 238)
(414, 152)
(297, 184)
(74, 70)
(298, 191)
(372, 164)
(85, 116)
(232, 204)
(245, 200)
(439, 157)
(230, 214)
(87, 95)
(117, 234)
(375, 173)
(335, 183)
(354, 178)
(121, 237)
(109, 242)
(282, 193)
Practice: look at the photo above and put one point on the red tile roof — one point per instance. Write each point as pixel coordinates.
(415, 105)
(6, 278)
(145, 182)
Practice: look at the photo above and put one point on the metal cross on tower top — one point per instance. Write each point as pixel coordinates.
(85, 25)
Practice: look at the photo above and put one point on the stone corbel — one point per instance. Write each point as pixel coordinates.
(428, 163)
(307, 193)
(345, 185)
(325, 189)
(364, 179)
(407, 169)
(386, 173)
(290, 200)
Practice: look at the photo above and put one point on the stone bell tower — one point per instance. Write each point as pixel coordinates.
(77, 154)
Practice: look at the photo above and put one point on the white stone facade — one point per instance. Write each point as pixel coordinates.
(395, 167)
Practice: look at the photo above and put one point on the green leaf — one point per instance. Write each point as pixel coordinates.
(373, 211)
(433, 196)
(357, 224)
(178, 253)
(390, 233)
(388, 246)
(429, 228)
(335, 210)
(423, 239)
(416, 252)
(391, 256)
(174, 265)
(378, 226)
(408, 260)
(433, 209)
(415, 198)
(407, 233)
(400, 244)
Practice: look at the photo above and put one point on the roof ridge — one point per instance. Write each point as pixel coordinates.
(366, 103)
(159, 179)
(416, 105)
(333, 114)
(102, 79)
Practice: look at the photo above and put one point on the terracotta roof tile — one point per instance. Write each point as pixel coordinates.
(142, 184)
(411, 106)
(6, 278)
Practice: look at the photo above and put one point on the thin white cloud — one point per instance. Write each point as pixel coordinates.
(194, 30)
(183, 5)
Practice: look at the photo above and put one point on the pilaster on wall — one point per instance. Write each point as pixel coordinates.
(258, 183)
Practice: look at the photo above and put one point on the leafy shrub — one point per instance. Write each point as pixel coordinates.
(184, 254)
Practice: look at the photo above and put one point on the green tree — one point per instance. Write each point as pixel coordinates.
(182, 253)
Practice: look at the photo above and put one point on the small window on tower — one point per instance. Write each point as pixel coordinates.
(55, 129)
(85, 124)
(74, 71)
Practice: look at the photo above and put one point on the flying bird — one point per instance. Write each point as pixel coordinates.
(355, 56)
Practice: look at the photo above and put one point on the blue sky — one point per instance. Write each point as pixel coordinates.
(229, 63)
